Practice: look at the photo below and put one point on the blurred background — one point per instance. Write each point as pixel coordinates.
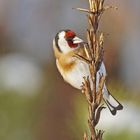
(35, 103)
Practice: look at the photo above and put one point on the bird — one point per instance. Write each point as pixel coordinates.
(66, 44)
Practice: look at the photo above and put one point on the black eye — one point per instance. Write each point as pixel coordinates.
(69, 38)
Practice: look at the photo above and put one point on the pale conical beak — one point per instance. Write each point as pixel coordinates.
(77, 40)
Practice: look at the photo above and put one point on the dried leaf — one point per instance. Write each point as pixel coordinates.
(88, 52)
(101, 39)
(83, 10)
(94, 6)
(101, 4)
(87, 90)
(85, 136)
(99, 135)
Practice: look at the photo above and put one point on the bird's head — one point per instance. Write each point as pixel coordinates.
(66, 41)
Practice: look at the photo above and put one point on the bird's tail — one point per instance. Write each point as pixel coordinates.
(112, 103)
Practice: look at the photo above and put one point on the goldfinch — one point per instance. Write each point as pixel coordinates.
(66, 45)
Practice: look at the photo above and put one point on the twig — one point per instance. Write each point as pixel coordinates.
(94, 51)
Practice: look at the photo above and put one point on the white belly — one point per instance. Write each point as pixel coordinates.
(75, 77)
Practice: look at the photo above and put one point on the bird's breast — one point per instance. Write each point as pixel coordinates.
(75, 75)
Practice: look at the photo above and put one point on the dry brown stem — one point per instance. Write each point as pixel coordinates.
(94, 50)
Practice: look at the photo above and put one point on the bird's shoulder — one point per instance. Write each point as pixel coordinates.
(67, 61)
